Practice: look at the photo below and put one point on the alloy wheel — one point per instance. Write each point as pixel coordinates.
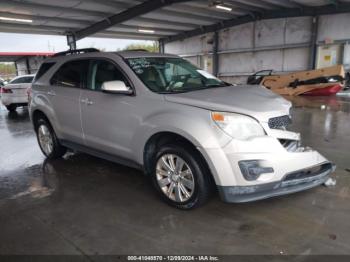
(175, 177)
(45, 139)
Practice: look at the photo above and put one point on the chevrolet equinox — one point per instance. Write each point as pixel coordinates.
(189, 131)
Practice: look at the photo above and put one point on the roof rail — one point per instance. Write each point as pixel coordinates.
(76, 51)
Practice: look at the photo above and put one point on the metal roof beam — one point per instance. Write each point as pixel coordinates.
(204, 11)
(177, 10)
(284, 3)
(244, 7)
(271, 14)
(11, 7)
(209, 5)
(75, 24)
(261, 4)
(138, 10)
(55, 30)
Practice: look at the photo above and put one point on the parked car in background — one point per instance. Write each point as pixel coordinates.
(14, 94)
(2, 82)
(188, 130)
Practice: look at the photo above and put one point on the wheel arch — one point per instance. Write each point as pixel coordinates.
(167, 137)
(38, 114)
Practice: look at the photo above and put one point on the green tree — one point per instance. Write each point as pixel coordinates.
(154, 47)
(7, 70)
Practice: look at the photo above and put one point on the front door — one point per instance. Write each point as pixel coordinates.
(108, 119)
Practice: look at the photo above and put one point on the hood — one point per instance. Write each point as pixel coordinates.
(255, 101)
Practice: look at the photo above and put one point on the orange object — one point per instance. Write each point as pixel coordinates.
(280, 84)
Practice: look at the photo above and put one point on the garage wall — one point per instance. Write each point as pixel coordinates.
(33, 62)
(335, 27)
(283, 45)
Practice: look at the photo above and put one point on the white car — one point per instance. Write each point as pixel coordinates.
(14, 94)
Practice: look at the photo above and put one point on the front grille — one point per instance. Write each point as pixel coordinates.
(280, 122)
(309, 172)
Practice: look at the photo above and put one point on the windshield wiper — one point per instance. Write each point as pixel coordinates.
(173, 91)
(213, 86)
(176, 91)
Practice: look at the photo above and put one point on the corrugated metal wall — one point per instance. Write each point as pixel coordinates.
(280, 44)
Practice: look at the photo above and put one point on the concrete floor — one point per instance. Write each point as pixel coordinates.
(85, 205)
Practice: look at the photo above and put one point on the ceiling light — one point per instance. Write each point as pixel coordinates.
(16, 19)
(149, 31)
(223, 7)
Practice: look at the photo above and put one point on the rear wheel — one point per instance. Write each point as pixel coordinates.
(11, 108)
(180, 177)
(48, 141)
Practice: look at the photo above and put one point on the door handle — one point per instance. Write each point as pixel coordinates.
(51, 93)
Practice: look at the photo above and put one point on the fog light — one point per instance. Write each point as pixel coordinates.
(252, 169)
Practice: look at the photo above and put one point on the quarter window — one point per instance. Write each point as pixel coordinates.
(71, 74)
(103, 71)
(43, 69)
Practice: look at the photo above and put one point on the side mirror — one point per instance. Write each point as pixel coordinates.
(116, 87)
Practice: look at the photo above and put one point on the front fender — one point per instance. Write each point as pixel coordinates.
(194, 124)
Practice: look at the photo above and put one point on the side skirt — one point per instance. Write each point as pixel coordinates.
(100, 154)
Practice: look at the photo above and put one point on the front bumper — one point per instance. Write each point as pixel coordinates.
(291, 183)
(234, 187)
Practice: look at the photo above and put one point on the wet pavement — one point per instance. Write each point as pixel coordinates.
(85, 205)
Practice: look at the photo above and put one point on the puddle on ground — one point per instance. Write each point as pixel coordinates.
(37, 181)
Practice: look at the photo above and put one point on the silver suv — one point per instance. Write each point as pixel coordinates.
(189, 131)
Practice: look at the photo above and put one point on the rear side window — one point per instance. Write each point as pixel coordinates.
(22, 80)
(71, 74)
(42, 70)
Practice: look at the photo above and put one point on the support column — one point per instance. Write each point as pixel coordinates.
(71, 42)
(313, 47)
(16, 68)
(161, 46)
(215, 54)
(28, 66)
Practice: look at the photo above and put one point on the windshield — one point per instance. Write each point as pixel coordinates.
(172, 75)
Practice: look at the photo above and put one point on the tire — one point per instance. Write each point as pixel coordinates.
(11, 108)
(198, 174)
(46, 135)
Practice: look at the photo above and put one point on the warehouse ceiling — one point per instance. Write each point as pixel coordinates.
(151, 19)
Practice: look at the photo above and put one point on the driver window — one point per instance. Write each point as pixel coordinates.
(101, 71)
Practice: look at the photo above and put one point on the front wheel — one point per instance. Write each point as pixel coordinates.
(181, 177)
(48, 141)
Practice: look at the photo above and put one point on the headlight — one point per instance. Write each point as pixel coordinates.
(238, 126)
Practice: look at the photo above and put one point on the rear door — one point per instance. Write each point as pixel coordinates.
(64, 93)
(108, 119)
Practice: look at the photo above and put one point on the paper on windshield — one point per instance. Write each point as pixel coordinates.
(206, 74)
